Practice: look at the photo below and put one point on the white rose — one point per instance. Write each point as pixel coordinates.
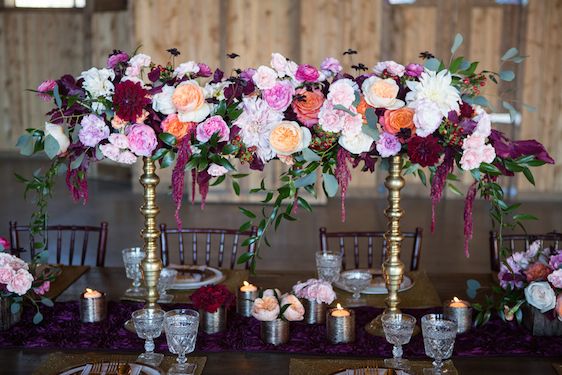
(136, 63)
(427, 118)
(190, 67)
(381, 93)
(540, 295)
(280, 64)
(483, 123)
(162, 102)
(356, 143)
(98, 82)
(265, 77)
(57, 132)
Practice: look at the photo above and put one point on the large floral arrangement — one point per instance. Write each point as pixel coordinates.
(212, 297)
(272, 305)
(19, 280)
(316, 120)
(532, 277)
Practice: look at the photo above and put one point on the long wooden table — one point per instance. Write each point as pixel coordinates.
(113, 281)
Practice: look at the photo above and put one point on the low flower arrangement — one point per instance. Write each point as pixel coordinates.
(271, 305)
(319, 121)
(19, 280)
(212, 297)
(532, 277)
(316, 290)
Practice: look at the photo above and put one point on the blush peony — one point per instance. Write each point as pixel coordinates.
(279, 97)
(162, 102)
(212, 125)
(20, 283)
(56, 131)
(142, 139)
(342, 92)
(216, 170)
(356, 143)
(265, 77)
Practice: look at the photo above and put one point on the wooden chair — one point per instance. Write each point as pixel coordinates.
(75, 231)
(208, 233)
(519, 242)
(370, 236)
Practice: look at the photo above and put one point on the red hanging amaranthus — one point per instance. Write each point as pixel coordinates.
(439, 180)
(343, 175)
(178, 175)
(77, 184)
(468, 203)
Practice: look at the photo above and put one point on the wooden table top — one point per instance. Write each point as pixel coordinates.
(114, 283)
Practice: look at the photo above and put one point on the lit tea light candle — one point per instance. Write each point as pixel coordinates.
(459, 311)
(91, 293)
(93, 306)
(245, 299)
(340, 325)
(247, 287)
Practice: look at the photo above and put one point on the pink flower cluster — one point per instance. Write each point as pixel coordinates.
(14, 274)
(315, 290)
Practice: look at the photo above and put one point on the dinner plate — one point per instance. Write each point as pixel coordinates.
(369, 371)
(136, 369)
(194, 277)
(377, 284)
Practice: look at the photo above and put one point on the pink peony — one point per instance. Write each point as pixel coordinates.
(295, 311)
(142, 139)
(212, 125)
(391, 67)
(342, 93)
(5, 259)
(216, 170)
(388, 145)
(307, 73)
(265, 77)
(414, 70)
(20, 283)
(116, 58)
(555, 279)
(352, 125)
(93, 130)
(266, 309)
(4, 243)
(127, 157)
(43, 288)
(427, 118)
(330, 66)
(204, 70)
(110, 151)
(6, 275)
(470, 159)
(17, 264)
(119, 140)
(279, 97)
(330, 119)
(45, 89)
(280, 64)
(317, 290)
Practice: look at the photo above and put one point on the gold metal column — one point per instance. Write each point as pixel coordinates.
(152, 265)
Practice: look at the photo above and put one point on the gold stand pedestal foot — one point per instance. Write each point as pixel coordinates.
(374, 327)
(130, 326)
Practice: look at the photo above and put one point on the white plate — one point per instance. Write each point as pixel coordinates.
(368, 371)
(209, 275)
(136, 369)
(377, 284)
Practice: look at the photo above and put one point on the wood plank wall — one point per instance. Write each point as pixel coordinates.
(305, 31)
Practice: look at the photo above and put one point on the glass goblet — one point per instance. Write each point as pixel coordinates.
(356, 281)
(132, 259)
(181, 328)
(438, 340)
(148, 324)
(328, 265)
(167, 277)
(398, 329)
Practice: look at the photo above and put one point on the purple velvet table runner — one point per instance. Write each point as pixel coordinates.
(62, 329)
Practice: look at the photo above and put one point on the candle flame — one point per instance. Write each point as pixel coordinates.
(455, 299)
(338, 306)
(246, 283)
(88, 290)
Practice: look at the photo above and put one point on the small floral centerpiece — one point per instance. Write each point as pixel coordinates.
(275, 311)
(19, 280)
(213, 301)
(531, 278)
(316, 295)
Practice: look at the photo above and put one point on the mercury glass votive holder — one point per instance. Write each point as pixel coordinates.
(93, 310)
(340, 329)
(245, 301)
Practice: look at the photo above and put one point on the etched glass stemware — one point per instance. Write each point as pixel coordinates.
(148, 324)
(438, 339)
(132, 259)
(181, 328)
(398, 329)
(356, 281)
(167, 277)
(328, 265)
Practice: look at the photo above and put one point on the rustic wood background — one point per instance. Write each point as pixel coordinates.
(39, 44)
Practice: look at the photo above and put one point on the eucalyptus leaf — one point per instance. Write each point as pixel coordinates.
(52, 147)
(15, 308)
(309, 179)
(25, 144)
(456, 43)
(432, 64)
(510, 53)
(357, 99)
(47, 302)
(310, 155)
(340, 107)
(56, 94)
(38, 317)
(76, 163)
(507, 75)
(330, 184)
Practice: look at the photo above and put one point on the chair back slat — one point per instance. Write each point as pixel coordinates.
(214, 255)
(63, 254)
(358, 237)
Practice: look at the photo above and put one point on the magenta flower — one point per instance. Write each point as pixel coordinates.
(115, 58)
(506, 148)
(46, 89)
(142, 139)
(414, 70)
(280, 96)
(307, 73)
(204, 70)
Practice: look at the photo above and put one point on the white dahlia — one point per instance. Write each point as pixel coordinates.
(436, 88)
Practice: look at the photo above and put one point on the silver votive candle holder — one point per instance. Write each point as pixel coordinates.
(245, 299)
(93, 306)
(275, 332)
(214, 322)
(340, 328)
(314, 312)
(460, 312)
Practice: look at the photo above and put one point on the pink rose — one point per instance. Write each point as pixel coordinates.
(342, 93)
(313, 289)
(43, 288)
(4, 243)
(295, 311)
(266, 309)
(142, 139)
(265, 77)
(45, 89)
(555, 279)
(307, 73)
(330, 66)
(20, 283)
(212, 125)
(6, 275)
(216, 170)
(279, 97)
(307, 105)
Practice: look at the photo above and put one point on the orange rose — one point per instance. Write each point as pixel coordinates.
(288, 137)
(537, 271)
(402, 118)
(308, 105)
(189, 100)
(174, 126)
(362, 108)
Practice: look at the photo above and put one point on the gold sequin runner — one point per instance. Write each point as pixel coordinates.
(319, 366)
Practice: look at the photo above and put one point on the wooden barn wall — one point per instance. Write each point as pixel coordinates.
(305, 31)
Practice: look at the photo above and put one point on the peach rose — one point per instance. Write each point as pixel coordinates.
(177, 128)
(266, 309)
(307, 107)
(381, 93)
(117, 122)
(295, 311)
(537, 272)
(287, 137)
(189, 99)
(362, 108)
(402, 118)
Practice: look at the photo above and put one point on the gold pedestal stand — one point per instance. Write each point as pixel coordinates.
(392, 268)
(151, 265)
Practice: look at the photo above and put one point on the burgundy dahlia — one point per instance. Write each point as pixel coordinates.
(424, 151)
(130, 99)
